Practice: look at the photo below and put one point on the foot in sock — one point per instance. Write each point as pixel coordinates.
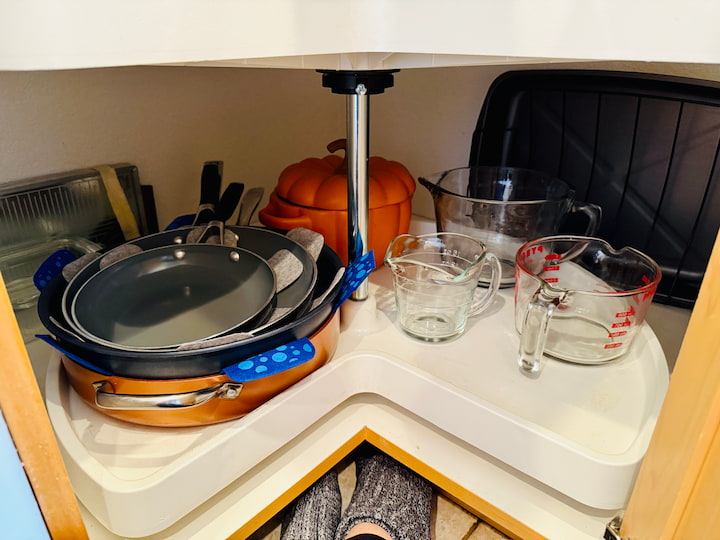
(316, 513)
(390, 496)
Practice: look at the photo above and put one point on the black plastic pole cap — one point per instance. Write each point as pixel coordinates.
(345, 82)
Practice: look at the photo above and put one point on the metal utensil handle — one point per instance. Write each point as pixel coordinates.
(229, 201)
(215, 227)
(210, 182)
(248, 205)
(106, 399)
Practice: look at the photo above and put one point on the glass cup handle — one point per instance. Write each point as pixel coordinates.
(593, 212)
(482, 303)
(534, 331)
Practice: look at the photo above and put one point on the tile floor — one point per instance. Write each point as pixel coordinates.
(450, 521)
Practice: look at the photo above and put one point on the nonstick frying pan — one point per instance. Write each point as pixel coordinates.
(187, 363)
(292, 301)
(171, 295)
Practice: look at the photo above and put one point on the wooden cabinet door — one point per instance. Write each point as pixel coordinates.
(31, 431)
(676, 493)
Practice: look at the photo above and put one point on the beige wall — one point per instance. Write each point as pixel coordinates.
(168, 120)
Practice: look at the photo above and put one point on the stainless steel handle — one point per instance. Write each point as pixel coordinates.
(106, 399)
(248, 205)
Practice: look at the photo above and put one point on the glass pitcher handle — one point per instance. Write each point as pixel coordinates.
(533, 333)
(482, 303)
(594, 214)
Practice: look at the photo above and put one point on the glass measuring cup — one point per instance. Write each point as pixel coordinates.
(435, 277)
(580, 300)
(504, 207)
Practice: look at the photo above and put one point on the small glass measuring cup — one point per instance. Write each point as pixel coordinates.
(580, 300)
(435, 278)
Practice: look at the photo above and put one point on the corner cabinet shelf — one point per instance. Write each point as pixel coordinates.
(576, 434)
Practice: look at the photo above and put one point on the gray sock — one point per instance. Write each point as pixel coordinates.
(316, 513)
(390, 496)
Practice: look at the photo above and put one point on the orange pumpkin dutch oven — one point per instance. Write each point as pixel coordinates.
(313, 194)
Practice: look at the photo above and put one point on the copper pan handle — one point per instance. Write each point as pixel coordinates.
(106, 399)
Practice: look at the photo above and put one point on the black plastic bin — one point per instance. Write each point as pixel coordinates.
(644, 147)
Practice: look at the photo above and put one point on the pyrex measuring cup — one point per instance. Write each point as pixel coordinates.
(504, 207)
(578, 299)
(435, 278)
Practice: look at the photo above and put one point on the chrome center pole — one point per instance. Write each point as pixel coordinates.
(358, 86)
(358, 119)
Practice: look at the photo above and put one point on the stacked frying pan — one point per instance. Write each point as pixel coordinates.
(198, 324)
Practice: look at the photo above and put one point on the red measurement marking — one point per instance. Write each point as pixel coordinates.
(553, 257)
(612, 345)
(532, 251)
(617, 334)
(551, 280)
(552, 268)
(628, 313)
(621, 324)
(651, 291)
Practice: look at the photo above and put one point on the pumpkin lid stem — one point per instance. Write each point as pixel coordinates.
(340, 144)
